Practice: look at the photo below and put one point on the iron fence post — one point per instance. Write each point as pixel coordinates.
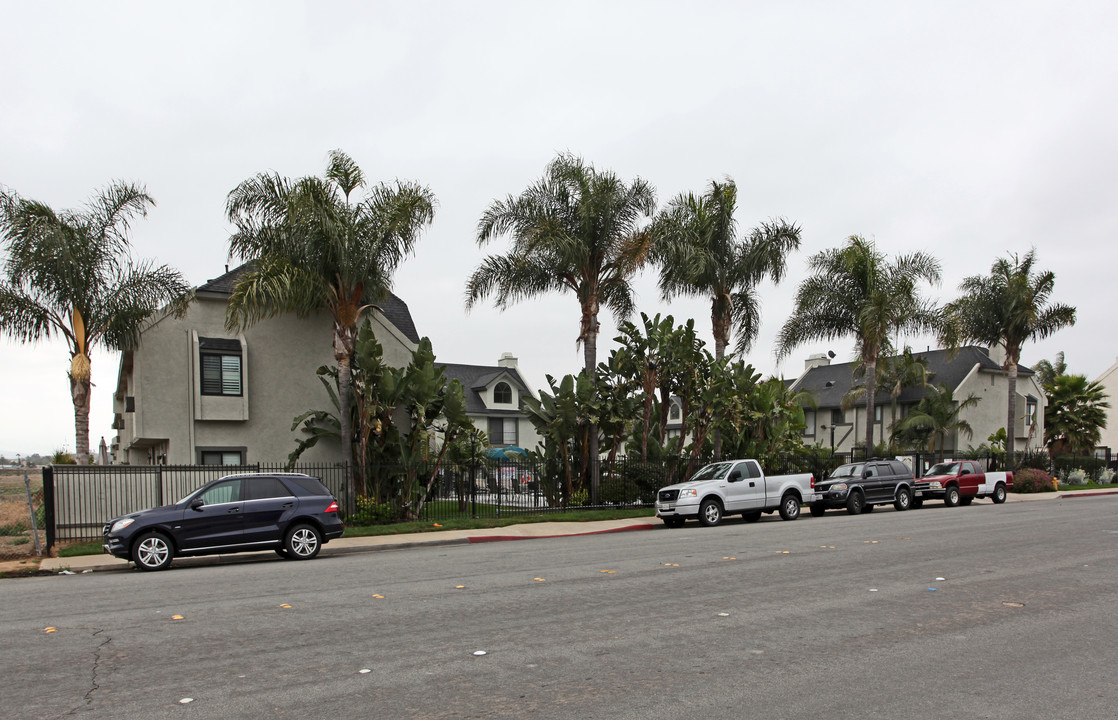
(48, 505)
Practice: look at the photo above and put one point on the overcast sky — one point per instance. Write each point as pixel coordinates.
(969, 130)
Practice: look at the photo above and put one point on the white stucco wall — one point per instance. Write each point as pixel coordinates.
(1109, 382)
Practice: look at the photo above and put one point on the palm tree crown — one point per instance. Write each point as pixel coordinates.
(1076, 414)
(854, 290)
(314, 247)
(71, 274)
(1008, 307)
(936, 417)
(701, 254)
(575, 230)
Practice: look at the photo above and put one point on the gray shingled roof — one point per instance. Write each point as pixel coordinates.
(477, 377)
(394, 309)
(942, 367)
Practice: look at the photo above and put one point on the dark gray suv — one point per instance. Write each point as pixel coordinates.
(860, 486)
(291, 513)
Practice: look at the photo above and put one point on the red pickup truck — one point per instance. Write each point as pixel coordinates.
(959, 482)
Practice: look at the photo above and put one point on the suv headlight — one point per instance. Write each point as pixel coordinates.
(121, 524)
(692, 492)
(837, 486)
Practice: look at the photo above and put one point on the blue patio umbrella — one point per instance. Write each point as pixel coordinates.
(505, 453)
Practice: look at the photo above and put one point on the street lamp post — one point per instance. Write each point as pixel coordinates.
(832, 427)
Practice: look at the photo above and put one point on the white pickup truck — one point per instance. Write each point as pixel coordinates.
(731, 487)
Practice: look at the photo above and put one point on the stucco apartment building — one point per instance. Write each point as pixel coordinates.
(195, 393)
(493, 398)
(969, 371)
(1109, 381)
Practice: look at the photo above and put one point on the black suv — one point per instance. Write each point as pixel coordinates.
(859, 486)
(291, 513)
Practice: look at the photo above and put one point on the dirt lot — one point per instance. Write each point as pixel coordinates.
(16, 542)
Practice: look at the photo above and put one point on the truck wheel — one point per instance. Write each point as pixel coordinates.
(951, 496)
(999, 494)
(752, 516)
(790, 507)
(710, 513)
(673, 522)
(818, 510)
(965, 500)
(855, 503)
(903, 500)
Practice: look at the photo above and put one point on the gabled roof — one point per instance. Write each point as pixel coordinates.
(393, 308)
(475, 378)
(829, 383)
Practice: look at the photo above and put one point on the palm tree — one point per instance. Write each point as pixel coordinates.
(701, 254)
(936, 416)
(1047, 370)
(313, 247)
(1007, 307)
(1075, 416)
(854, 291)
(71, 274)
(900, 371)
(576, 230)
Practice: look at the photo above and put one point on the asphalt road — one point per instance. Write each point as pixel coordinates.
(977, 612)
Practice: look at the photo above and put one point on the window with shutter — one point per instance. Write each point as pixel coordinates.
(220, 361)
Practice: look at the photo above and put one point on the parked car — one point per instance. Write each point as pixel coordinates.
(291, 513)
(860, 486)
(960, 482)
(730, 487)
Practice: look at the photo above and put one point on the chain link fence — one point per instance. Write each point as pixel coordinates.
(22, 515)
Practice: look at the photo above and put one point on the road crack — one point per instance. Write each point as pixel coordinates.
(94, 684)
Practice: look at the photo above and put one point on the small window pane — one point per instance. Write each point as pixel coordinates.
(224, 492)
(261, 488)
(211, 374)
(231, 374)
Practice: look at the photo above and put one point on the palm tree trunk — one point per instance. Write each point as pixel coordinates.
(343, 356)
(79, 391)
(721, 340)
(871, 392)
(1010, 429)
(590, 358)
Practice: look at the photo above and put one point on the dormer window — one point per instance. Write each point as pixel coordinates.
(673, 412)
(502, 394)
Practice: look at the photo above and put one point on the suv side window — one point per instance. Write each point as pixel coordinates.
(261, 488)
(871, 471)
(228, 491)
(899, 468)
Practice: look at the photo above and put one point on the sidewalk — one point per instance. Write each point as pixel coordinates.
(346, 545)
(524, 531)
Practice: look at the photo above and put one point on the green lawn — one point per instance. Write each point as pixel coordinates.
(478, 523)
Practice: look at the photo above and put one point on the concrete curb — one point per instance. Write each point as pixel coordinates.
(348, 546)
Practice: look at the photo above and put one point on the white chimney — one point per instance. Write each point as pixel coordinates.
(508, 360)
(818, 360)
